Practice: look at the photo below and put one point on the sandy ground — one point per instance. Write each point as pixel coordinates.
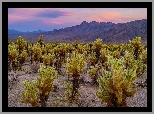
(87, 92)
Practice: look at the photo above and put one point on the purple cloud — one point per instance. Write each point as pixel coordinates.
(54, 14)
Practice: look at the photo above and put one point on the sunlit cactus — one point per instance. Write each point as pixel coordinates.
(13, 54)
(37, 92)
(92, 58)
(44, 50)
(144, 56)
(23, 57)
(48, 59)
(116, 85)
(45, 59)
(93, 73)
(74, 66)
(96, 47)
(30, 93)
(136, 46)
(116, 54)
(21, 44)
(129, 59)
(69, 90)
(40, 41)
(130, 62)
(103, 55)
(37, 52)
(141, 67)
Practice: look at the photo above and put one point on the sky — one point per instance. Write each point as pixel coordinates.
(48, 19)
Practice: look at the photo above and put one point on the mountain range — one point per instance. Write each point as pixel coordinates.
(16, 32)
(88, 32)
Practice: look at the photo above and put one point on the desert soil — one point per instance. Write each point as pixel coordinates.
(87, 92)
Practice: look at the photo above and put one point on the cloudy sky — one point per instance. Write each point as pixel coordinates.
(33, 19)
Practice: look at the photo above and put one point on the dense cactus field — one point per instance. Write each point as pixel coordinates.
(77, 74)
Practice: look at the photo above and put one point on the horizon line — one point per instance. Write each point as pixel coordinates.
(76, 25)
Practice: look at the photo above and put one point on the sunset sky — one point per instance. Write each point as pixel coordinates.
(33, 19)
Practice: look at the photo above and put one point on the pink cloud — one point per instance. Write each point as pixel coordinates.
(21, 14)
(26, 14)
(110, 15)
(51, 22)
(16, 18)
(131, 12)
(115, 17)
(25, 11)
(105, 16)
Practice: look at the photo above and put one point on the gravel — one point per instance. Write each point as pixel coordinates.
(87, 93)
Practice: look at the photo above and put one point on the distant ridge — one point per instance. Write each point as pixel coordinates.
(12, 31)
(16, 32)
(87, 32)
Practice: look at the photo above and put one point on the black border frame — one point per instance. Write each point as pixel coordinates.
(6, 5)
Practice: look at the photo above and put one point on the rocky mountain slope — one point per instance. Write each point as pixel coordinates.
(87, 32)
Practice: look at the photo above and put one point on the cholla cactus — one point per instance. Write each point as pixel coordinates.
(76, 63)
(31, 95)
(104, 53)
(144, 57)
(97, 45)
(37, 92)
(13, 54)
(21, 44)
(69, 90)
(116, 54)
(74, 66)
(93, 58)
(141, 67)
(135, 45)
(23, 57)
(45, 59)
(130, 61)
(45, 82)
(115, 86)
(93, 73)
(37, 52)
(40, 41)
